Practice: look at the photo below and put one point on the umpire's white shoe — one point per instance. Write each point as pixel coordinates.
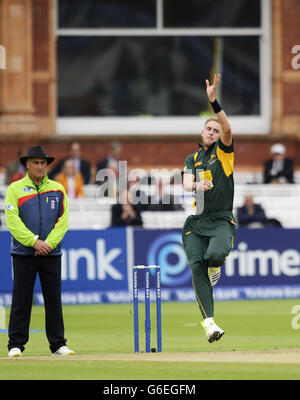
(14, 352)
(63, 351)
(211, 329)
(214, 275)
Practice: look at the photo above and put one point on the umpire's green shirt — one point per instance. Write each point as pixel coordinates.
(216, 165)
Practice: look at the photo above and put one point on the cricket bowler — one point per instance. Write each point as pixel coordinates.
(208, 236)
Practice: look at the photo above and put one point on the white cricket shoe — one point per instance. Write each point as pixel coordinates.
(63, 351)
(214, 275)
(211, 329)
(14, 352)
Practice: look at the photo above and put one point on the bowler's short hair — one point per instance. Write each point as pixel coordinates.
(215, 119)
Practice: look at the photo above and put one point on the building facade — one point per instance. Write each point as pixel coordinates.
(34, 93)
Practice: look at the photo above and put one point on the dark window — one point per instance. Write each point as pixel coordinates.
(207, 13)
(160, 76)
(107, 13)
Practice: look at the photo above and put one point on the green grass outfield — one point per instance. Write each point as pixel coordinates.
(260, 343)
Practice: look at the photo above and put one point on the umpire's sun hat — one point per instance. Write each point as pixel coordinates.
(36, 152)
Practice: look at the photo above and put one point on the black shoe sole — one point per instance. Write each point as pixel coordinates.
(215, 337)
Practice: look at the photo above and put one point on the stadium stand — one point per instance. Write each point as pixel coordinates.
(280, 201)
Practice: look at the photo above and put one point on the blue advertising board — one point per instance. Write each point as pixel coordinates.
(95, 260)
(164, 248)
(264, 263)
(96, 265)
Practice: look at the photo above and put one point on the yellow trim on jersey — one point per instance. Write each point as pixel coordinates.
(227, 160)
(232, 241)
(198, 163)
(194, 203)
(206, 175)
(211, 158)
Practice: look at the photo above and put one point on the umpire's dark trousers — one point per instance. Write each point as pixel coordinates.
(25, 269)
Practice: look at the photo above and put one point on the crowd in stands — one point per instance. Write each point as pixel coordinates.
(279, 169)
(74, 172)
(72, 180)
(252, 215)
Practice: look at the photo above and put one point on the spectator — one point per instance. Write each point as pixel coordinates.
(112, 160)
(252, 215)
(163, 200)
(80, 164)
(279, 169)
(111, 165)
(14, 169)
(138, 196)
(71, 180)
(125, 213)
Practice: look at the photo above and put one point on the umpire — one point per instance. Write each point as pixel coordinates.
(37, 216)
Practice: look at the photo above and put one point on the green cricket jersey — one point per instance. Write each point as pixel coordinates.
(216, 165)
